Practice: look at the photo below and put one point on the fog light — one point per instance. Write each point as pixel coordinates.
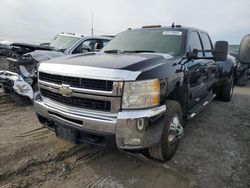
(132, 141)
(140, 124)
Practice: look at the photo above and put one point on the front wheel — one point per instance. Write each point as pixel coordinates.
(172, 132)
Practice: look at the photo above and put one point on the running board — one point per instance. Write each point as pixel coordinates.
(196, 109)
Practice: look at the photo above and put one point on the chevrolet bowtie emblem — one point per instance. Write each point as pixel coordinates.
(65, 91)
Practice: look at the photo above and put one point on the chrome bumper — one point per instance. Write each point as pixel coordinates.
(124, 125)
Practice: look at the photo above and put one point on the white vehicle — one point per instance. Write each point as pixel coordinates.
(22, 82)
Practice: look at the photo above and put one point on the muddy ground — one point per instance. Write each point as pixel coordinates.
(215, 152)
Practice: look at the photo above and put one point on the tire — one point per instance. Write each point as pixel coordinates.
(166, 148)
(242, 81)
(227, 91)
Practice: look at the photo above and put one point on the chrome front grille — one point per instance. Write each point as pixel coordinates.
(91, 104)
(85, 83)
(95, 95)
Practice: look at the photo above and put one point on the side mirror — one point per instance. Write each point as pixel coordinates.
(220, 51)
(244, 51)
(85, 48)
(193, 54)
(97, 47)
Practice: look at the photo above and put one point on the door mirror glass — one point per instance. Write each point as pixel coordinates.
(244, 51)
(220, 51)
(193, 54)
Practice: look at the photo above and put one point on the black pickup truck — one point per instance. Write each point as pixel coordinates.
(136, 92)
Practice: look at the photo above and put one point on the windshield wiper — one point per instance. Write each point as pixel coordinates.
(116, 51)
(138, 51)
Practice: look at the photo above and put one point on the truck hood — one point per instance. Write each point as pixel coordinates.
(41, 55)
(103, 66)
(32, 47)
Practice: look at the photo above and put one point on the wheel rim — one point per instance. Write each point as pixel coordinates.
(175, 130)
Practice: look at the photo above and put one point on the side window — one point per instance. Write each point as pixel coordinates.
(88, 45)
(206, 41)
(206, 44)
(105, 42)
(195, 42)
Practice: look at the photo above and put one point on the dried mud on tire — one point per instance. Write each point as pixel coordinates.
(213, 153)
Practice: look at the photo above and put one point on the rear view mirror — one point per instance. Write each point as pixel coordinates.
(220, 51)
(193, 54)
(97, 47)
(244, 51)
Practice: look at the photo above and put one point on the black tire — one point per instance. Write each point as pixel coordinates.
(227, 91)
(165, 150)
(242, 81)
(20, 100)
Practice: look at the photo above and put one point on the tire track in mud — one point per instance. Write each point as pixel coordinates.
(82, 154)
(102, 181)
(34, 165)
(85, 158)
(5, 99)
(34, 130)
(7, 108)
(35, 134)
(6, 105)
(126, 169)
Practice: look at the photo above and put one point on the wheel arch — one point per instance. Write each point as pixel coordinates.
(179, 93)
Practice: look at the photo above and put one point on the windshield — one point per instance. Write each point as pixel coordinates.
(148, 40)
(62, 42)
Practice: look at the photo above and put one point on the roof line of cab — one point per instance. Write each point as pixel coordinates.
(180, 27)
(78, 35)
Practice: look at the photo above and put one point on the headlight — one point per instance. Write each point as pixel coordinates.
(141, 94)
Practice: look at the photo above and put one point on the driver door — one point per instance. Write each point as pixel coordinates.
(196, 71)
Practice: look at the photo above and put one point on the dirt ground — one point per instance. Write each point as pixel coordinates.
(215, 152)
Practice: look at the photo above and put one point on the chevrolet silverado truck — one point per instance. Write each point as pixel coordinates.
(137, 91)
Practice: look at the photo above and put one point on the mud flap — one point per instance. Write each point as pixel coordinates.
(67, 134)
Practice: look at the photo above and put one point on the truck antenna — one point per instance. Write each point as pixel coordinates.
(92, 25)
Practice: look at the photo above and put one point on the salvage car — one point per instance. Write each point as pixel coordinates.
(138, 90)
(20, 81)
(60, 43)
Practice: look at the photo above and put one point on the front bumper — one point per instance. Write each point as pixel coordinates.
(132, 129)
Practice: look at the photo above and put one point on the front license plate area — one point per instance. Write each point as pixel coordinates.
(66, 134)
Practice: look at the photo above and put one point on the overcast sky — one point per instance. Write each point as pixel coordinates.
(40, 20)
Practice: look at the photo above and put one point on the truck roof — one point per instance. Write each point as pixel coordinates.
(77, 35)
(177, 27)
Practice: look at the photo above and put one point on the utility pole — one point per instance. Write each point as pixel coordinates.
(92, 26)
